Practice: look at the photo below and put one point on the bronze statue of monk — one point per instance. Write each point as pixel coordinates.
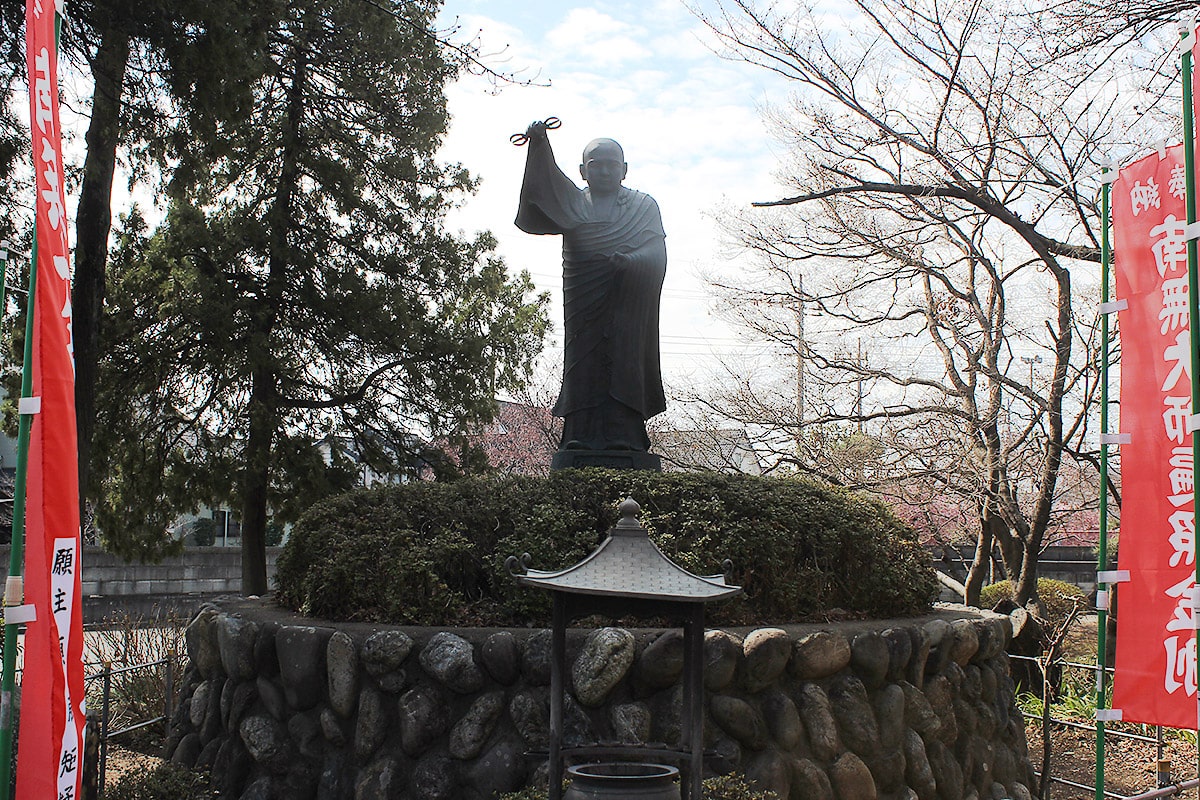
(614, 262)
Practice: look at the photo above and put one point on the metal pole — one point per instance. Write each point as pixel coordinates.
(558, 661)
(1102, 551)
(104, 723)
(168, 701)
(1189, 161)
(16, 559)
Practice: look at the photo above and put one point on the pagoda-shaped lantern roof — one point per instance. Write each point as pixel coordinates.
(627, 564)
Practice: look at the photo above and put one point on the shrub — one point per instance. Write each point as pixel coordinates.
(433, 553)
(1057, 597)
(719, 787)
(204, 531)
(138, 693)
(165, 781)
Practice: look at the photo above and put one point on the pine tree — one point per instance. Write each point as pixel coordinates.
(304, 284)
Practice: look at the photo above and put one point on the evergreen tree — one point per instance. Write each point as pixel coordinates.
(304, 285)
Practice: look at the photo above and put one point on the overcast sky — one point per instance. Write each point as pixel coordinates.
(638, 72)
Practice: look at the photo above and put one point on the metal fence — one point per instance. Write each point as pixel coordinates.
(106, 676)
(1166, 786)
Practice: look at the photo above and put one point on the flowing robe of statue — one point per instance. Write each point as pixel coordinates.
(610, 312)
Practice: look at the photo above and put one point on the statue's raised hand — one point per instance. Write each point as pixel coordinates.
(536, 130)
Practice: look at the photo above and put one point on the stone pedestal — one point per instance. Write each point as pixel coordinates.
(608, 459)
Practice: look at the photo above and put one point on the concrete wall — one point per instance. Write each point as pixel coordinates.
(199, 570)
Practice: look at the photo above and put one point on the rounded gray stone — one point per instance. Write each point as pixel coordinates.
(272, 697)
(740, 720)
(947, 773)
(819, 655)
(606, 656)
(379, 780)
(470, 734)
(500, 770)
(888, 703)
(920, 656)
(305, 732)
(851, 778)
(301, 652)
(940, 695)
(385, 651)
(235, 639)
(266, 658)
(535, 658)
(817, 716)
(394, 682)
(661, 662)
(900, 647)
(966, 642)
(1019, 791)
(870, 658)
(231, 766)
(936, 630)
(530, 715)
(768, 771)
(243, 698)
(433, 778)
(887, 769)
(261, 789)
(631, 723)
(267, 742)
(972, 687)
(212, 715)
(767, 651)
(187, 752)
(451, 660)
(809, 781)
(722, 653)
(783, 720)
(918, 714)
(333, 783)
(855, 717)
(422, 720)
(917, 772)
(201, 639)
(341, 664)
(332, 728)
(372, 724)
(198, 705)
(501, 657)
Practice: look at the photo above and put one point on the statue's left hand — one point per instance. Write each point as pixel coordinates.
(620, 260)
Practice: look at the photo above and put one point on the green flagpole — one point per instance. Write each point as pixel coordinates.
(1189, 161)
(1102, 552)
(16, 559)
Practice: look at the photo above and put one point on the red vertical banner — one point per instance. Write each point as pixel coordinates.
(1155, 678)
(50, 755)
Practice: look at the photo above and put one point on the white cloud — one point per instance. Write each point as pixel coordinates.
(594, 38)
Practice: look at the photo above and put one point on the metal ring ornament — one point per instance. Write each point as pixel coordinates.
(551, 123)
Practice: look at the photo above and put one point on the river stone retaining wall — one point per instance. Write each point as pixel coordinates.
(280, 707)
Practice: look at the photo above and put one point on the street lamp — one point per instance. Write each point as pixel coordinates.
(1031, 360)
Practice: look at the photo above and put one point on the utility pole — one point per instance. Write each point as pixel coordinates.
(858, 399)
(800, 351)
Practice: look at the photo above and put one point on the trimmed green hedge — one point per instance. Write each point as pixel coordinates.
(433, 553)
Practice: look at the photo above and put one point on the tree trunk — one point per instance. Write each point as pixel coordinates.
(978, 572)
(262, 407)
(93, 222)
(254, 485)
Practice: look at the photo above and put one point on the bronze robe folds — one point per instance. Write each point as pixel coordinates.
(610, 313)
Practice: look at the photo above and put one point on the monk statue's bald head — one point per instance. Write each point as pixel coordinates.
(603, 166)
